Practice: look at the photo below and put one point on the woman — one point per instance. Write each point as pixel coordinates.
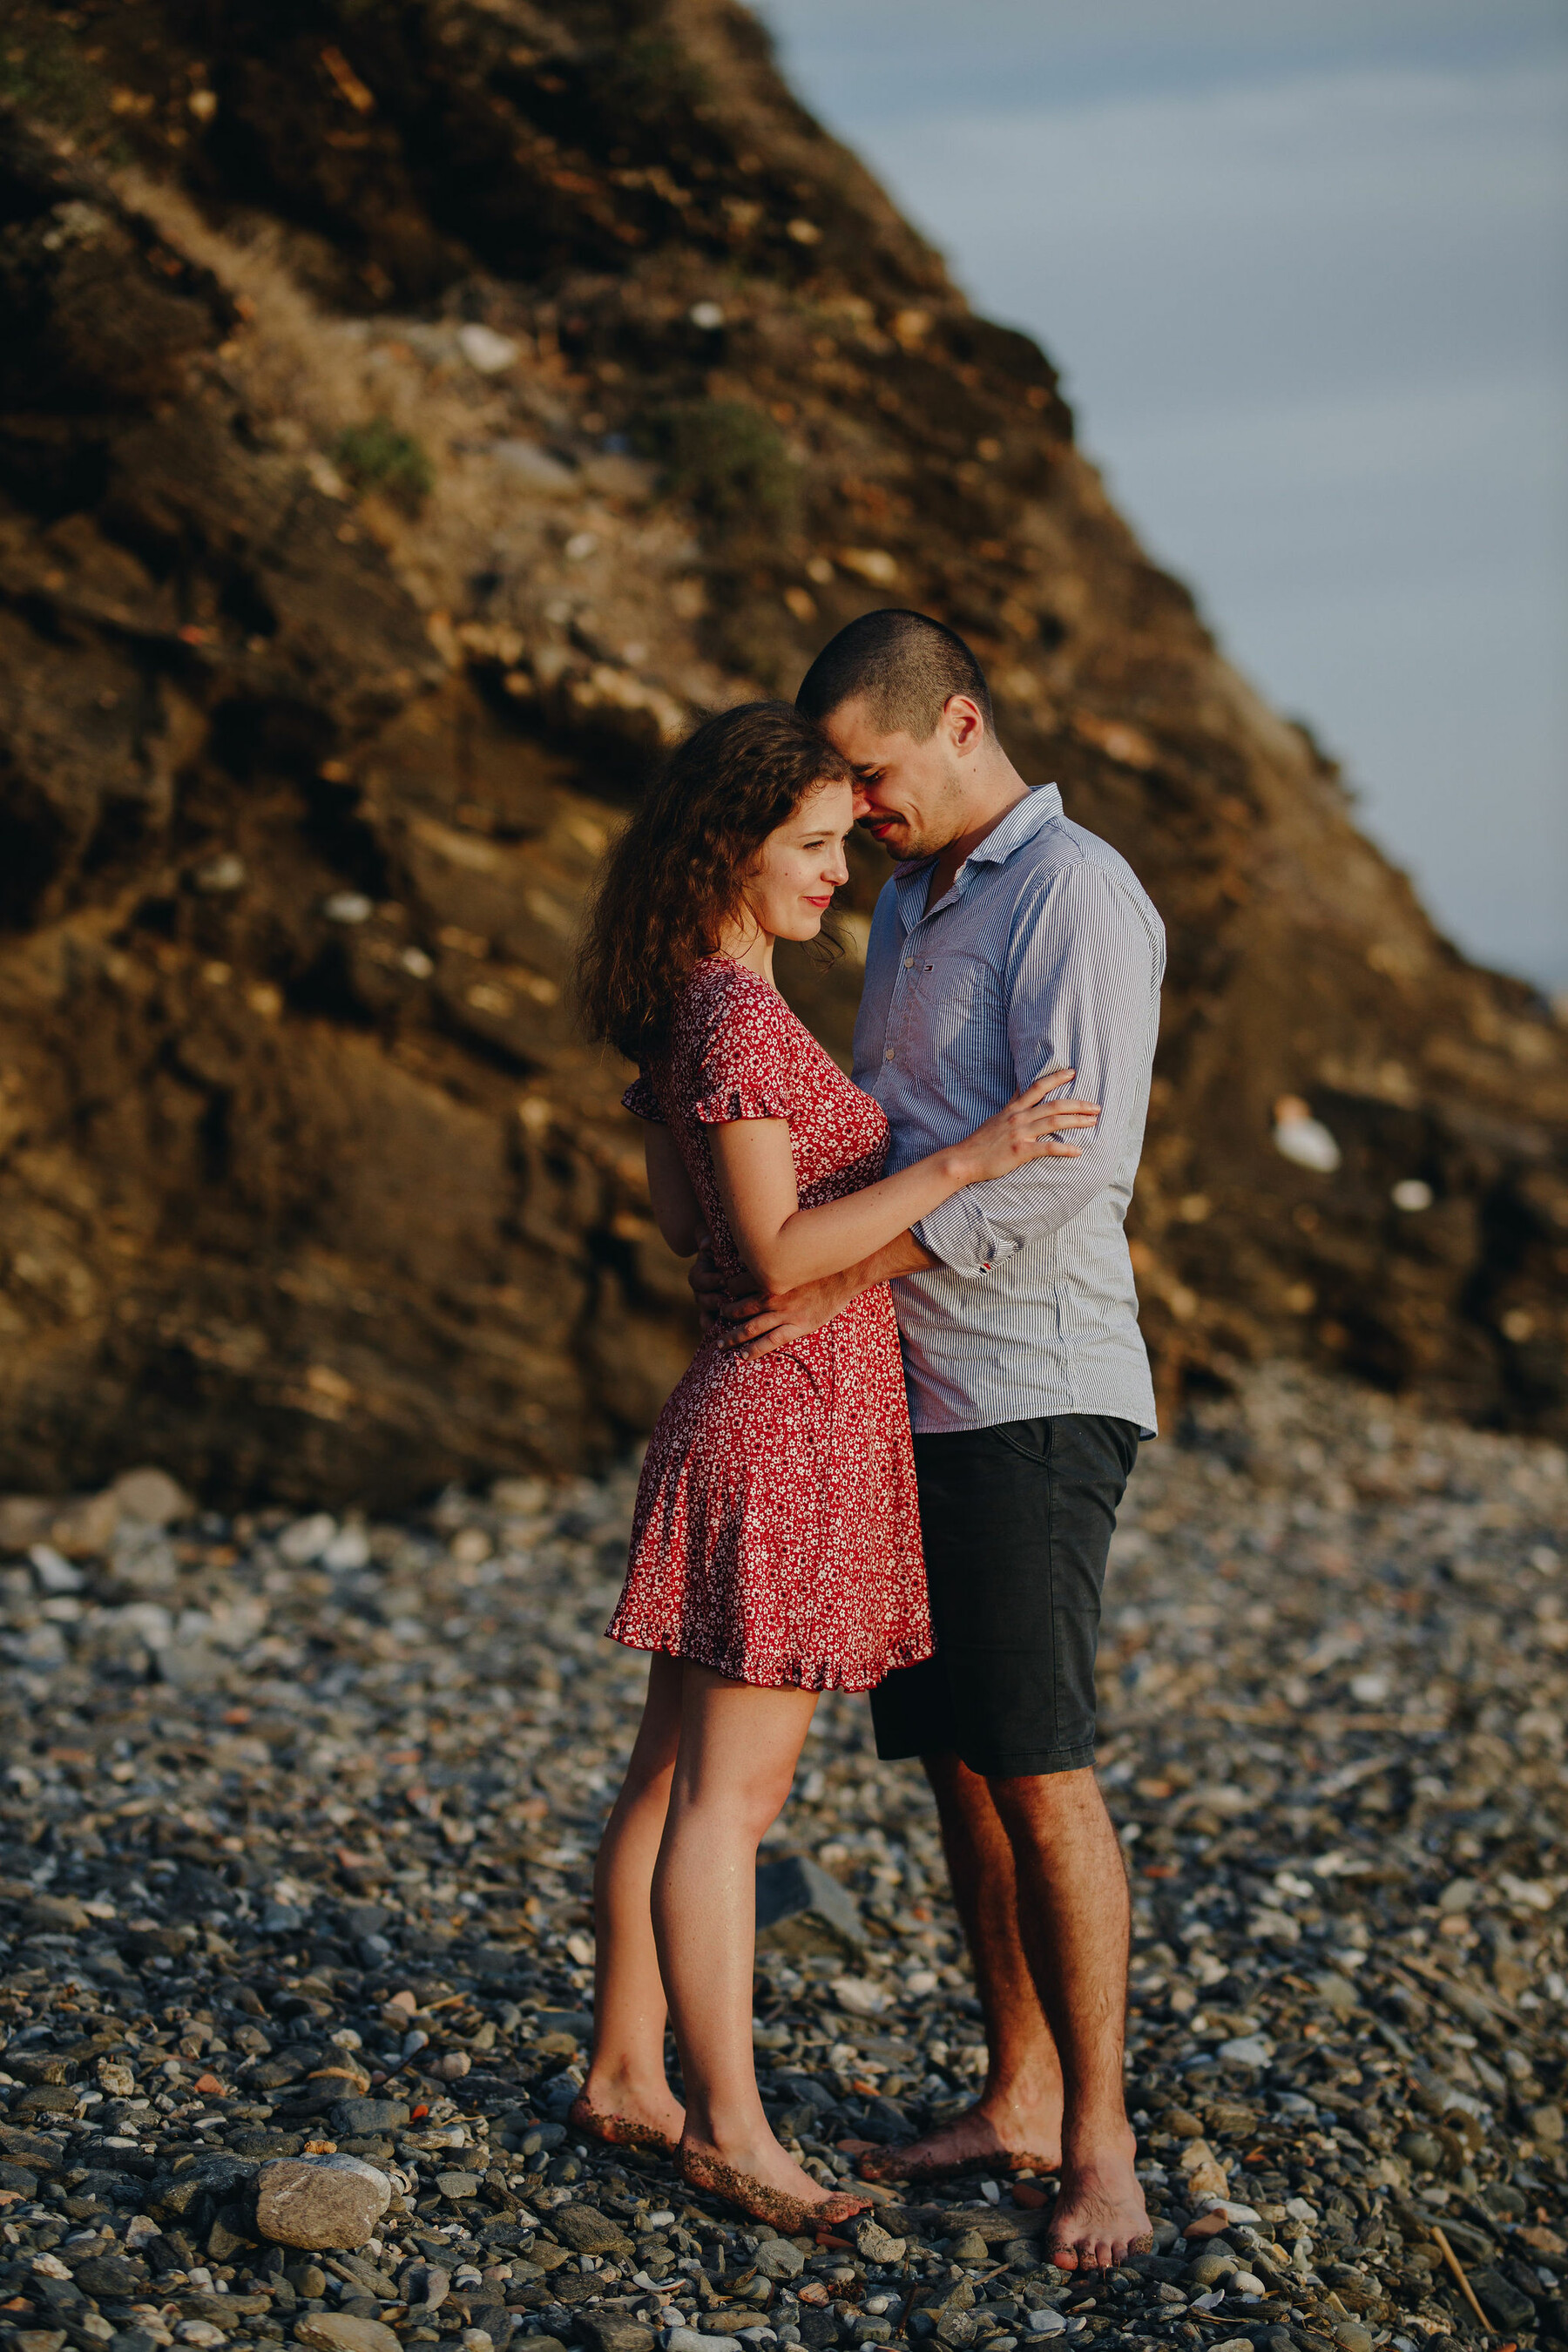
(776, 1544)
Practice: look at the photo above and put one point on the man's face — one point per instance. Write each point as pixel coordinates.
(911, 797)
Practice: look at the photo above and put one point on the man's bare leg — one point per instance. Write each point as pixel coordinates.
(1016, 2121)
(1075, 1918)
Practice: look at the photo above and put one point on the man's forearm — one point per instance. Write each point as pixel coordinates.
(903, 1255)
(757, 1326)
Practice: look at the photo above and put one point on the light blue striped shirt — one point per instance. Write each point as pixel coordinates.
(1044, 953)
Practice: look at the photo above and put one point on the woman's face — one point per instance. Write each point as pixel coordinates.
(791, 886)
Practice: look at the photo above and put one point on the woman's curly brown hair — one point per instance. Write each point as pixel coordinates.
(675, 875)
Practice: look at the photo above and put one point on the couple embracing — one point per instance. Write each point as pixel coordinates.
(926, 1244)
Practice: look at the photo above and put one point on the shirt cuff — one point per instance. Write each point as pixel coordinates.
(956, 1233)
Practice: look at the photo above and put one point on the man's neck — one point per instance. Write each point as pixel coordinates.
(986, 811)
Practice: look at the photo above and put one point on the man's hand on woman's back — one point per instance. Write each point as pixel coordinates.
(709, 1286)
(747, 1319)
(762, 1323)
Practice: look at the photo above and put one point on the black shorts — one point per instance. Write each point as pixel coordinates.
(1016, 1521)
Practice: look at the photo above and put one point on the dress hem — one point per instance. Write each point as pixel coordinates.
(810, 1675)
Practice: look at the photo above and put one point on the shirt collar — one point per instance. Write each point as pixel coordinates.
(1021, 824)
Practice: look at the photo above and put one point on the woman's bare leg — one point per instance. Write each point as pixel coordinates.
(738, 1747)
(626, 2083)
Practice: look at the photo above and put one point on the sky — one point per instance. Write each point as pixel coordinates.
(1303, 264)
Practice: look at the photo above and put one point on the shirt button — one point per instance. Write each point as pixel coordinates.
(889, 1055)
(909, 963)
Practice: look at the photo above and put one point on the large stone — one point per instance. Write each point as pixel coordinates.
(778, 2258)
(111, 2277)
(1505, 2304)
(343, 2331)
(30, 2147)
(458, 2185)
(230, 2233)
(872, 2242)
(316, 2206)
(78, 1528)
(48, 2099)
(146, 1938)
(586, 2230)
(150, 1495)
(193, 2193)
(369, 2115)
(493, 2317)
(425, 2285)
(1208, 2270)
(991, 2223)
(802, 1910)
(609, 2332)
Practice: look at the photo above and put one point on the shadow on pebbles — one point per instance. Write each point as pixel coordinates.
(298, 1831)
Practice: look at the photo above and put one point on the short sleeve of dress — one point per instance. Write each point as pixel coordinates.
(749, 1061)
(641, 1098)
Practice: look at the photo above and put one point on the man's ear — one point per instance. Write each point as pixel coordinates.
(966, 724)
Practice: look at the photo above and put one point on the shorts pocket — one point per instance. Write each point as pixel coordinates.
(1032, 1439)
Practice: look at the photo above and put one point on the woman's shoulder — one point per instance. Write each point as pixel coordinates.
(723, 994)
(738, 1031)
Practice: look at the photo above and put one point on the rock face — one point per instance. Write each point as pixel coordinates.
(406, 418)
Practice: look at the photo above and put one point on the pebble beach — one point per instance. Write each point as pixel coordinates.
(295, 1947)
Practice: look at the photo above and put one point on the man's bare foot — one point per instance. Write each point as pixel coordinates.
(622, 2116)
(768, 2185)
(979, 2140)
(1099, 2216)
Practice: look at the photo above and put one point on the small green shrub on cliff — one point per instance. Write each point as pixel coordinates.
(655, 80)
(727, 458)
(376, 457)
(44, 71)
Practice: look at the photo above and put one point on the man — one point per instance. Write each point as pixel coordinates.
(1008, 941)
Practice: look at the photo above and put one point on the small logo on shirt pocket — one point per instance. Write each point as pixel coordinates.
(957, 1001)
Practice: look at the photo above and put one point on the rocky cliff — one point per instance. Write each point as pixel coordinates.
(409, 411)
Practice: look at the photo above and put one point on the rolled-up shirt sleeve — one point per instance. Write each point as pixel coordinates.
(1082, 979)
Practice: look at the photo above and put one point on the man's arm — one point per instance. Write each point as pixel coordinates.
(757, 1326)
(1081, 995)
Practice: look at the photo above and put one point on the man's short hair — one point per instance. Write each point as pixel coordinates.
(904, 664)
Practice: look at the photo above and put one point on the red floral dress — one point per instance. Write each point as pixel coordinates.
(776, 1537)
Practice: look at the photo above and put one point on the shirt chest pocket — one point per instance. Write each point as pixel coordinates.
(955, 1014)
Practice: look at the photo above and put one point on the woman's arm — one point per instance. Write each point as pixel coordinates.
(676, 1210)
(785, 1245)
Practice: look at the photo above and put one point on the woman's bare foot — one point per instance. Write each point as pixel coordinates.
(769, 2186)
(622, 2116)
(1099, 2216)
(979, 2140)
